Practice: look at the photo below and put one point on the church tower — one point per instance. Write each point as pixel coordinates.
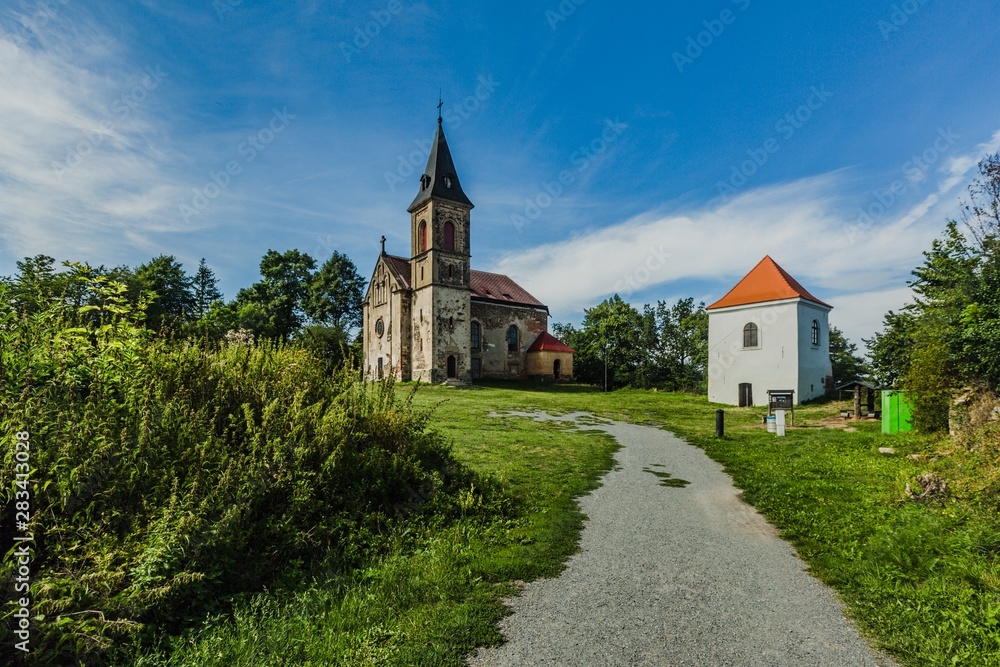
(439, 270)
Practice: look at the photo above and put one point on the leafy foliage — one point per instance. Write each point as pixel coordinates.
(664, 346)
(950, 338)
(167, 476)
(847, 365)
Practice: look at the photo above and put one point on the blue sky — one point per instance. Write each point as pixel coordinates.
(657, 151)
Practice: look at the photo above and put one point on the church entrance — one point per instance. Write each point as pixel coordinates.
(746, 395)
(452, 371)
(556, 368)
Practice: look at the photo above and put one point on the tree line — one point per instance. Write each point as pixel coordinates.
(948, 339)
(295, 301)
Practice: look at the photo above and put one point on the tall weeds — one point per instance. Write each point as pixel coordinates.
(167, 477)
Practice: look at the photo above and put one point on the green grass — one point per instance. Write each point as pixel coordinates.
(438, 593)
(922, 581)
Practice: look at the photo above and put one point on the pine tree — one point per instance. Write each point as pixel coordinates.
(206, 291)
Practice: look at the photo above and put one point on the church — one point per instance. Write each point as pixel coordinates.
(768, 333)
(430, 317)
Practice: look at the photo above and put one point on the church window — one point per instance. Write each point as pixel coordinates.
(451, 272)
(750, 336)
(447, 182)
(451, 324)
(477, 333)
(421, 273)
(815, 332)
(380, 327)
(422, 236)
(449, 236)
(512, 339)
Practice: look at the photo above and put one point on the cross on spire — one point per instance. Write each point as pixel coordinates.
(440, 104)
(383, 245)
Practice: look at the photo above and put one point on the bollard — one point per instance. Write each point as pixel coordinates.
(720, 422)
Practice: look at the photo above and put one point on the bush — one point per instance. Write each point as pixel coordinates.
(166, 477)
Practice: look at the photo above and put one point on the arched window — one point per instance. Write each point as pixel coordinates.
(512, 339)
(750, 337)
(449, 236)
(422, 236)
(477, 334)
(815, 332)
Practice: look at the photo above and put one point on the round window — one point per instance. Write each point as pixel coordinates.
(380, 327)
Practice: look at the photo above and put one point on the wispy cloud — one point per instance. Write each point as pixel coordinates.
(800, 224)
(80, 171)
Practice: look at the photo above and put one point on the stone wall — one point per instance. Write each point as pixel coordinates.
(494, 320)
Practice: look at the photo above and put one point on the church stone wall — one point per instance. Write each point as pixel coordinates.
(495, 319)
(422, 335)
(388, 304)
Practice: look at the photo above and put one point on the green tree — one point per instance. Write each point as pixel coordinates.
(173, 301)
(205, 289)
(273, 307)
(847, 364)
(889, 350)
(334, 293)
(681, 344)
(37, 284)
(612, 331)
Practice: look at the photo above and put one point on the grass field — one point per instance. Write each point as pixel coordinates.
(922, 581)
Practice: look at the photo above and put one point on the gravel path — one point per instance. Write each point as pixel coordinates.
(675, 575)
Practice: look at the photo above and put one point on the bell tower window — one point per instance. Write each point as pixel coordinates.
(422, 236)
(449, 236)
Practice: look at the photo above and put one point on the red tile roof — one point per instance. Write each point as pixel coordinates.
(485, 286)
(401, 266)
(546, 342)
(766, 282)
(496, 287)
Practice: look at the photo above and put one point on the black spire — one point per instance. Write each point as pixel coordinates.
(440, 179)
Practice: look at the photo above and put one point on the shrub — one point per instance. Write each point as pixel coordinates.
(167, 477)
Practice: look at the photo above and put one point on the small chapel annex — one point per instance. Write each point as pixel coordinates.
(768, 333)
(430, 317)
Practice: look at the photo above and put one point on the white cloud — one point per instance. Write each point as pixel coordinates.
(860, 315)
(802, 225)
(79, 176)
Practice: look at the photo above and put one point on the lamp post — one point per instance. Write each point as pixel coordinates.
(607, 346)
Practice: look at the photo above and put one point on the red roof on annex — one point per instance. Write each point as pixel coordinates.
(546, 342)
(766, 282)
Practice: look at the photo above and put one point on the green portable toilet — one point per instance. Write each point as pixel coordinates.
(896, 412)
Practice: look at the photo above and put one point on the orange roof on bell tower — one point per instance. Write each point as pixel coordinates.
(766, 282)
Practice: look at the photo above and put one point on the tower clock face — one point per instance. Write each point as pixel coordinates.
(380, 327)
